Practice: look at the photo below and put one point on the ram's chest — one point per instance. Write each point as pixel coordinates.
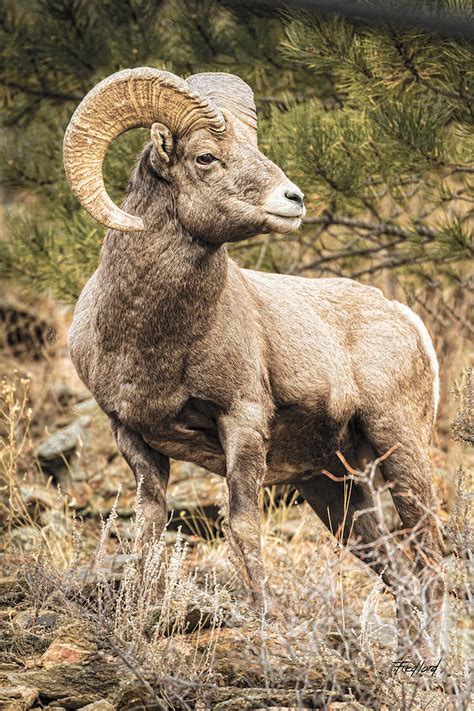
(149, 406)
(140, 391)
(155, 396)
(190, 435)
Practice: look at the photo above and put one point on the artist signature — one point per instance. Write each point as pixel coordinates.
(408, 666)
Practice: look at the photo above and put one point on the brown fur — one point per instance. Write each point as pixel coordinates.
(258, 377)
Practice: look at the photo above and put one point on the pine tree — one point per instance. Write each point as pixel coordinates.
(373, 122)
(389, 163)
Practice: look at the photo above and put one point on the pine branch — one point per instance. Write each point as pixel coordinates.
(460, 169)
(42, 92)
(348, 254)
(362, 126)
(409, 64)
(395, 263)
(372, 227)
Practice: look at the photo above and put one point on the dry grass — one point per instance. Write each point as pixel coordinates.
(332, 641)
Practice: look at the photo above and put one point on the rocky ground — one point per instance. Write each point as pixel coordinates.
(80, 627)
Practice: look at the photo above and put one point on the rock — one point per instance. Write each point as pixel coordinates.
(101, 705)
(235, 699)
(27, 538)
(61, 445)
(66, 394)
(36, 495)
(47, 619)
(238, 663)
(194, 492)
(54, 520)
(116, 563)
(194, 619)
(33, 632)
(60, 652)
(70, 683)
(133, 695)
(21, 697)
(89, 405)
(77, 701)
(112, 569)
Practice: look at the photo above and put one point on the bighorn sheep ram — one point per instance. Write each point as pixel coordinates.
(258, 377)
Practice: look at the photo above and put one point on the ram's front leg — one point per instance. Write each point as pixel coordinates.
(151, 470)
(245, 450)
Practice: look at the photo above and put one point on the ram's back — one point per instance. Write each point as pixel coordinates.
(338, 341)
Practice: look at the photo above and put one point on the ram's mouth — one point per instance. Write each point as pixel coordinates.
(284, 223)
(285, 217)
(288, 216)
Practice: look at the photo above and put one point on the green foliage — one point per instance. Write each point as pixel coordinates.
(343, 154)
(56, 256)
(374, 123)
(393, 147)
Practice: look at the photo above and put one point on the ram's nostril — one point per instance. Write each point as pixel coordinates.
(296, 197)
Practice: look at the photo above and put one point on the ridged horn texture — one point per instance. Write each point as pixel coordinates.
(226, 91)
(128, 99)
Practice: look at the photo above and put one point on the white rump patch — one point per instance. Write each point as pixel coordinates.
(428, 346)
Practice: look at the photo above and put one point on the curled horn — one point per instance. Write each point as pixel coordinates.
(128, 99)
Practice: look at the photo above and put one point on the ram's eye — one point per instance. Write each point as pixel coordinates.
(205, 159)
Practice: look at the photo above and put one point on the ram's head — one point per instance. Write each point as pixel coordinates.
(204, 136)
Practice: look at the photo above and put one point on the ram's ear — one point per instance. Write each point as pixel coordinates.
(162, 140)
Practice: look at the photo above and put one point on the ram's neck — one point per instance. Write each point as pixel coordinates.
(159, 282)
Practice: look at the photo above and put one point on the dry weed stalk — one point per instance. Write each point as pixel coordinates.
(15, 464)
(15, 416)
(462, 428)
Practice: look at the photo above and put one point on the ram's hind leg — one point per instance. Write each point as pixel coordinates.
(347, 510)
(408, 471)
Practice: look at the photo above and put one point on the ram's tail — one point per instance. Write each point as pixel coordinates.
(428, 346)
